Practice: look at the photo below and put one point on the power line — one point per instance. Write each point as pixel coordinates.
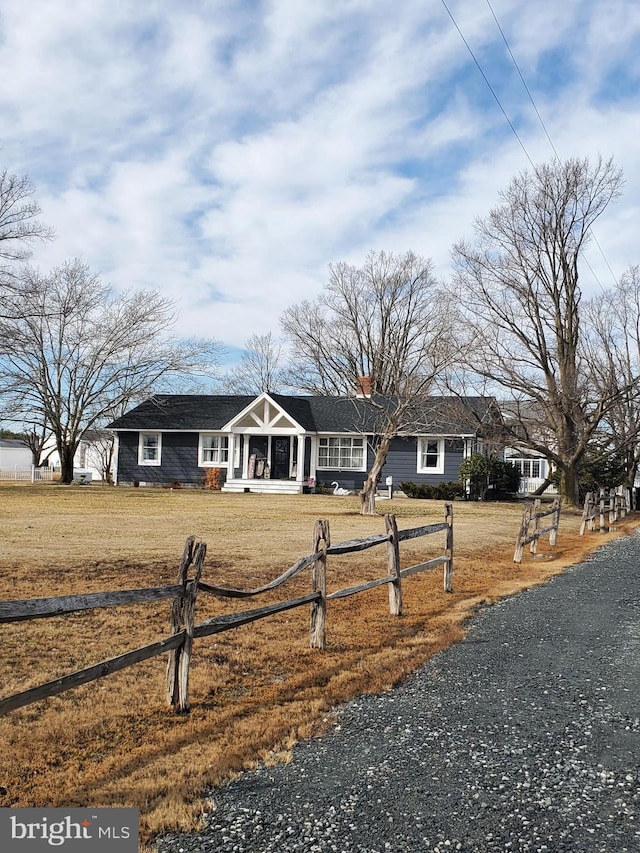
(491, 89)
(513, 59)
(508, 120)
(528, 91)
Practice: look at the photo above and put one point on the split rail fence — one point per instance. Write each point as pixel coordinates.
(606, 502)
(530, 529)
(184, 630)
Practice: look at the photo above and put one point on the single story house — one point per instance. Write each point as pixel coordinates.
(288, 444)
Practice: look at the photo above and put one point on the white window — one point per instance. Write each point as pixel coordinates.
(431, 456)
(213, 450)
(341, 452)
(150, 448)
(530, 467)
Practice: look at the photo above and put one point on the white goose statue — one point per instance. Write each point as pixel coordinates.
(338, 490)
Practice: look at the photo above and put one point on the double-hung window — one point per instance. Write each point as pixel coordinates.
(341, 452)
(150, 448)
(431, 456)
(214, 450)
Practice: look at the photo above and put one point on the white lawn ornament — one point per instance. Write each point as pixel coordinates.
(338, 490)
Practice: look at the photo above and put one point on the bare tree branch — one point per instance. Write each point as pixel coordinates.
(260, 369)
(72, 353)
(19, 224)
(520, 304)
(388, 321)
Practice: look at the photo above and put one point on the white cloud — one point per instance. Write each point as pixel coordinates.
(225, 153)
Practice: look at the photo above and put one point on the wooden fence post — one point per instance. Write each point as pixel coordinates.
(188, 609)
(592, 511)
(321, 541)
(393, 564)
(522, 533)
(585, 513)
(448, 548)
(172, 689)
(553, 536)
(533, 547)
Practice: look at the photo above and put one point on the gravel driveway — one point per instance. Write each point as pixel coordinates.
(524, 737)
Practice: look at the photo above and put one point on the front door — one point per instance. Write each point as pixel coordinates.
(280, 458)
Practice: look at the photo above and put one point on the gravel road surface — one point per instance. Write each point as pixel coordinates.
(524, 737)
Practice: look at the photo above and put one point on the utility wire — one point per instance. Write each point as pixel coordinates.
(491, 89)
(517, 67)
(508, 120)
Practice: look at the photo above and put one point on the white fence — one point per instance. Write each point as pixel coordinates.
(29, 474)
(528, 486)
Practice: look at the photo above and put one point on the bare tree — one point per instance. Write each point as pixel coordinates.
(261, 367)
(520, 297)
(73, 352)
(614, 355)
(19, 223)
(385, 324)
(35, 437)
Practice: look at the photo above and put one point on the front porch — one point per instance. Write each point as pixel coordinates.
(268, 452)
(264, 487)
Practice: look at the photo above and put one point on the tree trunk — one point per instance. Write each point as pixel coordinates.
(569, 486)
(67, 452)
(368, 492)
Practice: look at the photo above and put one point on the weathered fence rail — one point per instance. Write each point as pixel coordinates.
(606, 502)
(40, 608)
(179, 645)
(530, 529)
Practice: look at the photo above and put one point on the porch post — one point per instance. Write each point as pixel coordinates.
(231, 456)
(314, 456)
(300, 462)
(245, 457)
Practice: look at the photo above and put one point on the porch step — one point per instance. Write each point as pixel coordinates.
(264, 487)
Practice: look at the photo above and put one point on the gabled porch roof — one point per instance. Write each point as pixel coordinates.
(264, 415)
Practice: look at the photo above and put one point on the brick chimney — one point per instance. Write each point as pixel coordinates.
(363, 386)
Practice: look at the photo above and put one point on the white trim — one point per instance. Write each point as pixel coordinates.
(362, 467)
(245, 457)
(116, 453)
(152, 462)
(219, 435)
(313, 450)
(300, 459)
(436, 469)
(263, 418)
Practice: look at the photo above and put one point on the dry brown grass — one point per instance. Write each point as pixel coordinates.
(254, 690)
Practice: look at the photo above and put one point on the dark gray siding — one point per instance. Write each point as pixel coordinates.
(180, 463)
(179, 460)
(346, 479)
(402, 462)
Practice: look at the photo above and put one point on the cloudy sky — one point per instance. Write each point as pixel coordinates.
(226, 151)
